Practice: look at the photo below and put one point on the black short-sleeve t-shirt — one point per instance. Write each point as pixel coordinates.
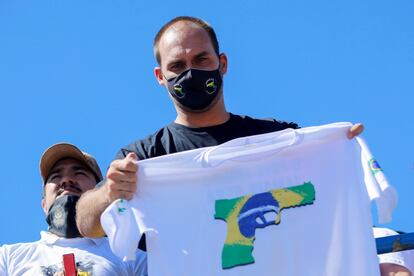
(176, 138)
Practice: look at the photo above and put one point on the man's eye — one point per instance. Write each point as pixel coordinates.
(80, 173)
(202, 59)
(175, 66)
(54, 177)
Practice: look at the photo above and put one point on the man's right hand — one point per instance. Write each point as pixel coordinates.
(121, 182)
(121, 178)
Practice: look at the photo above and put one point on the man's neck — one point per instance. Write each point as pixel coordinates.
(217, 115)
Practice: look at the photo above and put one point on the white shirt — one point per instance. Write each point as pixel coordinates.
(44, 257)
(178, 204)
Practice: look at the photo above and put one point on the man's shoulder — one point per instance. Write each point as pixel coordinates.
(18, 248)
(266, 123)
(14, 256)
(148, 146)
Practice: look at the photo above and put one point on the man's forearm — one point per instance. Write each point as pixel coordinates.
(120, 182)
(88, 213)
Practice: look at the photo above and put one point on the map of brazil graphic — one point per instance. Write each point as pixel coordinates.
(245, 214)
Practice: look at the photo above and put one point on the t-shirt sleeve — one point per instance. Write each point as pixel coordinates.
(136, 147)
(123, 152)
(3, 261)
(271, 124)
(139, 147)
(284, 125)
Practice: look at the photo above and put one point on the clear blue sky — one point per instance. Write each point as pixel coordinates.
(82, 71)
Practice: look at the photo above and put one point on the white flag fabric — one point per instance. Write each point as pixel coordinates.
(385, 195)
(293, 202)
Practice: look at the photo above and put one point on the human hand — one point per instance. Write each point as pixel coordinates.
(390, 269)
(59, 273)
(355, 130)
(121, 178)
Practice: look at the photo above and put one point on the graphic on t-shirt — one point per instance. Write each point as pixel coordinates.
(247, 213)
(84, 269)
(374, 166)
(120, 205)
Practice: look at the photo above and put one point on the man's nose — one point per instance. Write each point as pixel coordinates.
(66, 180)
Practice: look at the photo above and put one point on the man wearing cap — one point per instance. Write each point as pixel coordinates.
(67, 172)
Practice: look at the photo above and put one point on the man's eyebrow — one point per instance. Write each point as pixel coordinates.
(80, 167)
(175, 61)
(202, 54)
(55, 170)
(52, 172)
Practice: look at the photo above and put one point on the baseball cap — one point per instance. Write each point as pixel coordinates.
(65, 150)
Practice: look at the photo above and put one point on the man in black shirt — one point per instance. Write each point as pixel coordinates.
(191, 67)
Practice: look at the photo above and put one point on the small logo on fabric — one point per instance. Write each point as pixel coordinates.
(59, 218)
(178, 89)
(119, 206)
(84, 267)
(374, 167)
(211, 86)
(245, 214)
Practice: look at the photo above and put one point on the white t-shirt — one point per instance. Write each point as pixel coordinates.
(223, 210)
(44, 257)
(403, 258)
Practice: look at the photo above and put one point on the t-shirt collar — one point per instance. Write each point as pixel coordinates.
(50, 239)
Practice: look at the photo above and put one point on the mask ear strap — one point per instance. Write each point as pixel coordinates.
(219, 56)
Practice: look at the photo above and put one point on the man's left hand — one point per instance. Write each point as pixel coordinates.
(355, 130)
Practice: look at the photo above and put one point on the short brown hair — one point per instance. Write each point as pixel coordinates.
(199, 22)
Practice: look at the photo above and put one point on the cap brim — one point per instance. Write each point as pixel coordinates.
(57, 152)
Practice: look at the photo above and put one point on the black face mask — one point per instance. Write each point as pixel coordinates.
(61, 217)
(195, 89)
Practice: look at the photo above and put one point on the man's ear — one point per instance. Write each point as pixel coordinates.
(44, 205)
(159, 76)
(223, 63)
